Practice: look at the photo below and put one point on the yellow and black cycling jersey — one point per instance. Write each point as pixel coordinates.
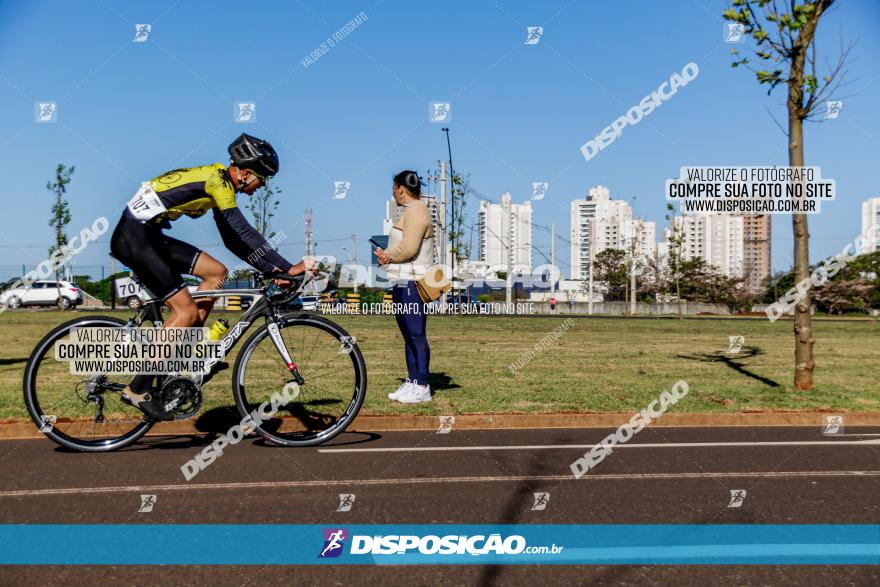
(192, 192)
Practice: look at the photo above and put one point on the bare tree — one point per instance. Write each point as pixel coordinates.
(60, 218)
(785, 38)
(263, 204)
(676, 241)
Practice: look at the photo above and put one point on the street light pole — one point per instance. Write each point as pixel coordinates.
(454, 251)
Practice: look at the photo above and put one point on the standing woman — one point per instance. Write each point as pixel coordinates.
(410, 253)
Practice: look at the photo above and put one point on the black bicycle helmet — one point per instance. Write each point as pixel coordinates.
(249, 152)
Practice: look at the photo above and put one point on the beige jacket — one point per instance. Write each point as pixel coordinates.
(411, 243)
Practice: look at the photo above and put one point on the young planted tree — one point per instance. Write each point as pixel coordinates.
(460, 188)
(676, 241)
(60, 217)
(784, 35)
(262, 206)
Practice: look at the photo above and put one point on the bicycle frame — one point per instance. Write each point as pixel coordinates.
(261, 306)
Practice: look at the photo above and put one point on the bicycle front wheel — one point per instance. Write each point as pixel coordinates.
(334, 374)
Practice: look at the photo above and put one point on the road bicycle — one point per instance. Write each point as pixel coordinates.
(86, 413)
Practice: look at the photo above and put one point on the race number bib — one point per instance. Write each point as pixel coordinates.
(127, 287)
(145, 204)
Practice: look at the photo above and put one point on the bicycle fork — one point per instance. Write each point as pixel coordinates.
(275, 335)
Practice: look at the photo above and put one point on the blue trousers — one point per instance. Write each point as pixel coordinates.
(412, 322)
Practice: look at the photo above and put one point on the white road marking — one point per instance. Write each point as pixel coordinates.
(423, 480)
(875, 442)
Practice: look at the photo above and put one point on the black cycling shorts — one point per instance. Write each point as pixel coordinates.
(157, 260)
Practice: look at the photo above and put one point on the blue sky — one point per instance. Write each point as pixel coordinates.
(129, 111)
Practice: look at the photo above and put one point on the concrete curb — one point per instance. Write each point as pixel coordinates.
(20, 429)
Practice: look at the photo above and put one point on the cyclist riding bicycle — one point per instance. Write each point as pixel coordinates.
(159, 260)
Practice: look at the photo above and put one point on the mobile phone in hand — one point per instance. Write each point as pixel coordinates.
(375, 244)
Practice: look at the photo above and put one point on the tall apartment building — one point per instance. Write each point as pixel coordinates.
(599, 223)
(871, 217)
(506, 229)
(718, 240)
(756, 250)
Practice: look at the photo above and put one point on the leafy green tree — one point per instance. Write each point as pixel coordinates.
(784, 36)
(610, 267)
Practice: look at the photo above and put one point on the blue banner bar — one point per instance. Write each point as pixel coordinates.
(252, 544)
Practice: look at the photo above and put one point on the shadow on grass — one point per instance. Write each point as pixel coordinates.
(13, 361)
(438, 382)
(734, 362)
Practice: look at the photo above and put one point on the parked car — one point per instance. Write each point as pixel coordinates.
(63, 294)
(309, 303)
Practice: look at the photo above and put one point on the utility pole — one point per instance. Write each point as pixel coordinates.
(636, 241)
(440, 239)
(309, 232)
(592, 247)
(354, 260)
(509, 280)
(454, 251)
(443, 234)
(112, 282)
(552, 260)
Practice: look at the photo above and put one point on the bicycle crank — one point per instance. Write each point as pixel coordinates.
(181, 397)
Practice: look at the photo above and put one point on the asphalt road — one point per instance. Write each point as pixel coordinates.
(662, 476)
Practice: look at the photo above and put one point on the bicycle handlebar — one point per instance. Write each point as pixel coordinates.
(296, 282)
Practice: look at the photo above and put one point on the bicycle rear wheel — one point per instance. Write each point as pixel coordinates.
(331, 365)
(74, 410)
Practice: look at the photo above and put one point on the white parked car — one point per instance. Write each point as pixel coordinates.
(63, 294)
(310, 303)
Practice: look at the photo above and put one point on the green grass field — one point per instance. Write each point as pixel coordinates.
(598, 365)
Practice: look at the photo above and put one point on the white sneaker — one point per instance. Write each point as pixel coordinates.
(415, 394)
(403, 387)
